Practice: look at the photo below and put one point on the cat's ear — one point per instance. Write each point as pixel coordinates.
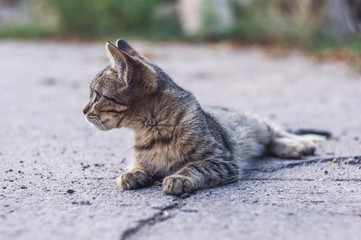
(132, 67)
(124, 46)
(118, 61)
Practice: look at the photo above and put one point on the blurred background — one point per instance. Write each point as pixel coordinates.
(328, 28)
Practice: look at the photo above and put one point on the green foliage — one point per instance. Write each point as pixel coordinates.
(209, 21)
(353, 44)
(27, 31)
(109, 17)
(325, 42)
(290, 22)
(32, 21)
(298, 24)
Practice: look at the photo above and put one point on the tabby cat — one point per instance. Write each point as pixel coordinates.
(177, 140)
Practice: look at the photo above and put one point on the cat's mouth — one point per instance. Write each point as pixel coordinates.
(105, 123)
(95, 120)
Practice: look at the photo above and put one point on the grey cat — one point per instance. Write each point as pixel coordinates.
(177, 140)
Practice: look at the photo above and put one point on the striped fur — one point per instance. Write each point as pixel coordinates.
(175, 139)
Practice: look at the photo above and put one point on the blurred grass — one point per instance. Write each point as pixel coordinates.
(27, 31)
(283, 21)
(286, 23)
(98, 18)
(94, 19)
(293, 24)
(33, 21)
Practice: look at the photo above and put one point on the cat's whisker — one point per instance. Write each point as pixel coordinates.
(112, 125)
(100, 123)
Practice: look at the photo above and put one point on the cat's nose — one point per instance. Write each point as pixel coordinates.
(86, 108)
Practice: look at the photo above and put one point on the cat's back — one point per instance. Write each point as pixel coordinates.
(247, 133)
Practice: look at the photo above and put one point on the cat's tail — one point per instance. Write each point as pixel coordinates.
(312, 134)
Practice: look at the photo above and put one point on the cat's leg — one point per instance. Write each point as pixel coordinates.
(287, 145)
(291, 148)
(200, 174)
(137, 177)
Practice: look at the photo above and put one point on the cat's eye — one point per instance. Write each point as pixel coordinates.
(96, 97)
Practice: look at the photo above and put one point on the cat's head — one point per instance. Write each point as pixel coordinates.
(114, 90)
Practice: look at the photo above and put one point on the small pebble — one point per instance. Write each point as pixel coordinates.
(335, 160)
(70, 191)
(165, 214)
(23, 187)
(85, 203)
(325, 172)
(185, 195)
(233, 197)
(352, 161)
(189, 210)
(83, 167)
(81, 203)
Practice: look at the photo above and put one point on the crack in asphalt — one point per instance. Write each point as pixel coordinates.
(164, 212)
(352, 160)
(162, 215)
(301, 179)
(347, 180)
(280, 179)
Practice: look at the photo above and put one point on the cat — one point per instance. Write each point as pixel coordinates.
(175, 139)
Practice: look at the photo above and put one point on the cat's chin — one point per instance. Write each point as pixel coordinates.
(98, 126)
(101, 128)
(105, 126)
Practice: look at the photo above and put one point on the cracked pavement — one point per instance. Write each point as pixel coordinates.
(58, 172)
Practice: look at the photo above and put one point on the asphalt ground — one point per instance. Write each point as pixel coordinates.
(58, 172)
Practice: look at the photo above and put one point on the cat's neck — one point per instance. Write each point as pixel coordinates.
(156, 118)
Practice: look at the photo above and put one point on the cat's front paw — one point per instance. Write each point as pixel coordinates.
(177, 185)
(133, 179)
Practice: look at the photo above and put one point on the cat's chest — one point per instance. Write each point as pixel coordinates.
(159, 148)
(161, 158)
